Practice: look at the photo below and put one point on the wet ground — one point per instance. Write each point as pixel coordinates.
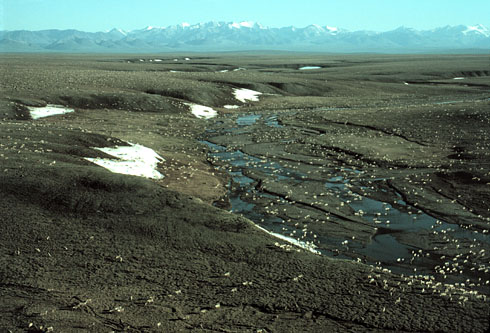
(342, 206)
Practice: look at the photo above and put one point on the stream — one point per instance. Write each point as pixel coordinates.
(323, 208)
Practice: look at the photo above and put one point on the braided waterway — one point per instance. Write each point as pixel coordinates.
(341, 210)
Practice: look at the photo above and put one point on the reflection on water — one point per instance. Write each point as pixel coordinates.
(251, 119)
(247, 120)
(390, 221)
(385, 248)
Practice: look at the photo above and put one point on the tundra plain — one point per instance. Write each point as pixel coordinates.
(379, 163)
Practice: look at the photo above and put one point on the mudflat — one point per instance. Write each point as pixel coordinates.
(378, 166)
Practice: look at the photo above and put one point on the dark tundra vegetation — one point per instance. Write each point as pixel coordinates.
(370, 173)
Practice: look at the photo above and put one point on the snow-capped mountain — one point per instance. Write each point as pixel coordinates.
(479, 30)
(248, 35)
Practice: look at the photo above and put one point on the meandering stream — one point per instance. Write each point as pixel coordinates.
(321, 203)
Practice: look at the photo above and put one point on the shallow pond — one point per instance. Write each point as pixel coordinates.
(393, 222)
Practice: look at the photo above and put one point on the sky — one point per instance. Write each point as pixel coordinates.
(376, 15)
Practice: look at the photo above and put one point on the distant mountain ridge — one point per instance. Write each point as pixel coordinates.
(240, 36)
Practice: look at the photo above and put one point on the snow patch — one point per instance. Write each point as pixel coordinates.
(305, 68)
(135, 160)
(48, 110)
(480, 28)
(458, 78)
(247, 24)
(244, 95)
(152, 28)
(121, 31)
(244, 24)
(231, 106)
(316, 27)
(201, 111)
(306, 246)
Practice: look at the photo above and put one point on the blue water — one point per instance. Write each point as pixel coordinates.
(251, 119)
(248, 120)
(384, 246)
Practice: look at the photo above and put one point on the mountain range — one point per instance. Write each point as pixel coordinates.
(233, 36)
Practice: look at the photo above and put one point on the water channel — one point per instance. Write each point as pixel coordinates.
(248, 196)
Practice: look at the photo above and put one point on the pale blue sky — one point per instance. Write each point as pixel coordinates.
(378, 15)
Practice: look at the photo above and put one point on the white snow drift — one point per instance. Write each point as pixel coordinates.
(305, 68)
(135, 160)
(201, 111)
(244, 95)
(48, 110)
(306, 246)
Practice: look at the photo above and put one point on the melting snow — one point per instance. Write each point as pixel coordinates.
(201, 111)
(298, 243)
(231, 106)
(135, 160)
(48, 110)
(244, 95)
(309, 67)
